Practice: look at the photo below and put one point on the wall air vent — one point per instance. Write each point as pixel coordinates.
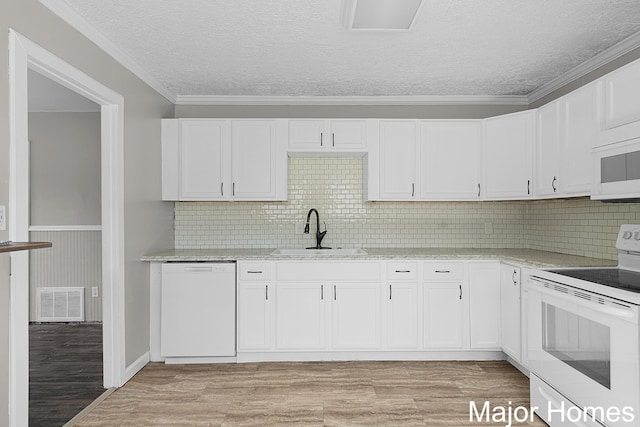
(60, 304)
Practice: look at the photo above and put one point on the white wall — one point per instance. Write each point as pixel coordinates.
(148, 221)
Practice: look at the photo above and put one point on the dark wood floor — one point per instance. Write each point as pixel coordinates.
(65, 370)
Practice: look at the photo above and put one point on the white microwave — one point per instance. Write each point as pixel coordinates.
(617, 171)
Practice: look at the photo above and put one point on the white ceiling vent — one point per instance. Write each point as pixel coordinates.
(380, 14)
(60, 304)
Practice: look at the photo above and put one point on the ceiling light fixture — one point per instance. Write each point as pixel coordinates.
(380, 14)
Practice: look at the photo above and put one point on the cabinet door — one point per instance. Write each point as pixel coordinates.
(398, 159)
(580, 129)
(348, 134)
(622, 91)
(253, 159)
(484, 305)
(203, 158)
(307, 134)
(443, 318)
(356, 315)
(402, 315)
(548, 149)
(510, 310)
(300, 316)
(254, 316)
(451, 158)
(509, 145)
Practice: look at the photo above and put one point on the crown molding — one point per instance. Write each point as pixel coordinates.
(603, 58)
(352, 100)
(74, 19)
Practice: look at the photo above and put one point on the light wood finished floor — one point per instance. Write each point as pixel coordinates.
(313, 394)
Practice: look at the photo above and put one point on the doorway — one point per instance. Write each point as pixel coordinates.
(24, 56)
(65, 315)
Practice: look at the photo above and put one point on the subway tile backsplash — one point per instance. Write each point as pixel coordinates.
(334, 186)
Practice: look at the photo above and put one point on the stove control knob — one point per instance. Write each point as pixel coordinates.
(636, 235)
(627, 235)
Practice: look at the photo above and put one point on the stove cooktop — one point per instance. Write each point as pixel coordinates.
(613, 277)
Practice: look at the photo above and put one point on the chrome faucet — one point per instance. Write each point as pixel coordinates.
(319, 234)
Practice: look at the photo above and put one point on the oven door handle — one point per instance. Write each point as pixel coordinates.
(624, 311)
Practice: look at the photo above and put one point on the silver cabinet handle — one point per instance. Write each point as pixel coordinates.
(335, 297)
(443, 271)
(528, 186)
(333, 139)
(322, 292)
(553, 184)
(403, 271)
(233, 189)
(513, 277)
(413, 189)
(390, 291)
(222, 188)
(266, 292)
(321, 139)
(254, 271)
(460, 291)
(478, 190)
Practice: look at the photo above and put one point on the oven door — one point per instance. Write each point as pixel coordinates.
(585, 346)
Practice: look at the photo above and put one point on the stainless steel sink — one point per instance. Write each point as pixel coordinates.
(316, 252)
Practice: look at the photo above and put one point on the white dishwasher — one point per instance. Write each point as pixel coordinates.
(198, 310)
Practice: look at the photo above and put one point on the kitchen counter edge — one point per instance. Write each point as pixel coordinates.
(529, 257)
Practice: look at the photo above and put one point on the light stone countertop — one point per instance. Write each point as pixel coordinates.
(528, 257)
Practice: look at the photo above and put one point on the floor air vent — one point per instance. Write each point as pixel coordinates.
(59, 304)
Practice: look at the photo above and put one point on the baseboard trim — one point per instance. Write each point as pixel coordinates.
(135, 367)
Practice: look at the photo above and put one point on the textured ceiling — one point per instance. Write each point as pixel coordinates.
(300, 48)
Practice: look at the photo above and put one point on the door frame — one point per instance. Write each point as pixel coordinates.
(24, 55)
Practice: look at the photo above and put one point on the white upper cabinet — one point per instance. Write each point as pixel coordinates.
(319, 135)
(508, 155)
(621, 106)
(254, 159)
(397, 152)
(451, 159)
(548, 150)
(623, 91)
(203, 152)
(207, 159)
(580, 123)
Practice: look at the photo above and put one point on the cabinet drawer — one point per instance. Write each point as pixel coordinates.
(402, 270)
(443, 271)
(255, 271)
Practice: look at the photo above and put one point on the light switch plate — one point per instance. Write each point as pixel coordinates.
(3, 217)
(94, 292)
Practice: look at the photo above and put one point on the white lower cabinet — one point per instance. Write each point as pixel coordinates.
(355, 312)
(443, 316)
(254, 316)
(361, 306)
(300, 316)
(484, 306)
(444, 305)
(510, 311)
(403, 305)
